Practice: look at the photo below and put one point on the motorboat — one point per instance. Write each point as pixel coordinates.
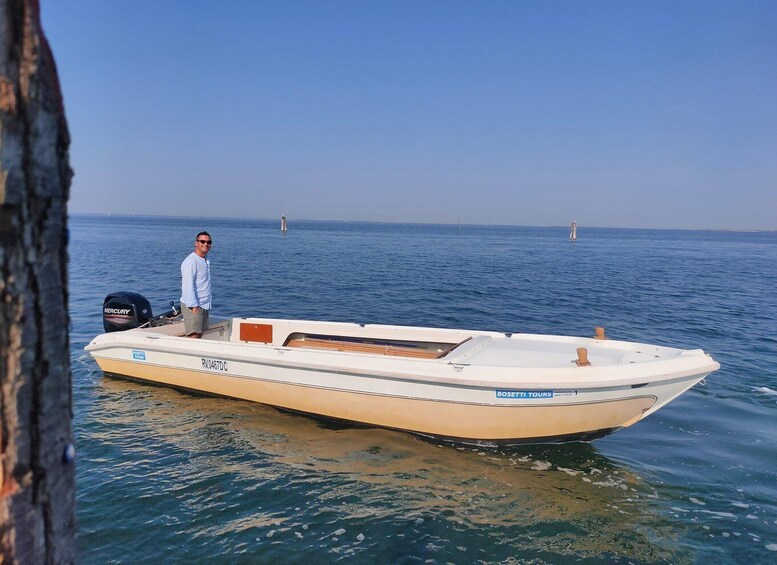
(467, 386)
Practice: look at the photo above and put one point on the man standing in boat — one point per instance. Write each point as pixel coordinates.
(195, 287)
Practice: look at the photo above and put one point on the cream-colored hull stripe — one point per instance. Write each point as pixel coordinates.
(425, 416)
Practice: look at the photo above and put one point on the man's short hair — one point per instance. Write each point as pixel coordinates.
(201, 233)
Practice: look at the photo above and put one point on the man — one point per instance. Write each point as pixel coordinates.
(195, 287)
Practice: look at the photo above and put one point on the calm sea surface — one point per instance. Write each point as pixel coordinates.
(166, 476)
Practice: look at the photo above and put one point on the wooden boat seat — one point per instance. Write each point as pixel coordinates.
(356, 347)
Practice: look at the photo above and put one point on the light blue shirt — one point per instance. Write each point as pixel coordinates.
(195, 281)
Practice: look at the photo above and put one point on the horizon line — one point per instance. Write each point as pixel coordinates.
(249, 219)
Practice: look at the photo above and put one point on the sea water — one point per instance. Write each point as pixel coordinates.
(168, 476)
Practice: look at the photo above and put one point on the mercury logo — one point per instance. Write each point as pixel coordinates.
(122, 311)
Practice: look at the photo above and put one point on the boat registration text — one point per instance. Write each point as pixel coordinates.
(214, 364)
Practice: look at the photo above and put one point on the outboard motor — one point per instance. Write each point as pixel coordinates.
(125, 310)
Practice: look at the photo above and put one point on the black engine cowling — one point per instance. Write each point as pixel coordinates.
(125, 310)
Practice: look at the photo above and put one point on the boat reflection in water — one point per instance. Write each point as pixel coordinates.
(220, 467)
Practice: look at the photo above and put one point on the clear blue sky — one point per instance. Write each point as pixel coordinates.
(645, 114)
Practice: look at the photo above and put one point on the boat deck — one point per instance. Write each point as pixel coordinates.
(485, 349)
(365, 347)
(221, 330)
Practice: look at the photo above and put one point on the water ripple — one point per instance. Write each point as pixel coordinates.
(168, 476)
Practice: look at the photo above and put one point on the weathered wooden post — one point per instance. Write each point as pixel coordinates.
(37, 496)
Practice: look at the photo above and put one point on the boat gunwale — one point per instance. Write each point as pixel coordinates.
(185, 346)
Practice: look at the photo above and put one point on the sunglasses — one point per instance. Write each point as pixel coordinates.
(204, 241)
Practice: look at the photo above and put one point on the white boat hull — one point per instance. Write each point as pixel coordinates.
(489, 388)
